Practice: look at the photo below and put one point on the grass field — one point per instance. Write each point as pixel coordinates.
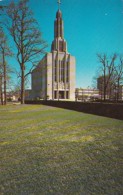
(46, 150)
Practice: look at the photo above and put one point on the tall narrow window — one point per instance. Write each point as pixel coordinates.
(60, 46)
(55, 94)
(67, 72)
(59, 71)
(67, 94)
(55, 70)
(62, 71)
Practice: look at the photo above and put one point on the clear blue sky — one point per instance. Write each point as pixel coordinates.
(90, 27)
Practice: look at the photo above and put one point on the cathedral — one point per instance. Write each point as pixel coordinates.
(54, 77)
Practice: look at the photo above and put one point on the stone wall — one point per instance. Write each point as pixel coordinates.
(103, 109)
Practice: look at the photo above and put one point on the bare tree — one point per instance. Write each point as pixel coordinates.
(118, 77)
(27, 37)
(4, 53)
(1, 83)
(106, 73)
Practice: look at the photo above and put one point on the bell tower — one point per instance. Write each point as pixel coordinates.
(54, 77)
(59, 44)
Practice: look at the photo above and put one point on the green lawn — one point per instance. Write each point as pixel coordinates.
(46, 150)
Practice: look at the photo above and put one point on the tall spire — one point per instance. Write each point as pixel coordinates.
(58, 31)
(59, 44)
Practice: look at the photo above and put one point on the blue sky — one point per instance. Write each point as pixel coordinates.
(90, 27)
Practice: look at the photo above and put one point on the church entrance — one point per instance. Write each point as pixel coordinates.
(61, 94)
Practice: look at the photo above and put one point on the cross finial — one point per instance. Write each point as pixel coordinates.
(59, 2)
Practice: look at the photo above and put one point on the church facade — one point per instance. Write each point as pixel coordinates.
(54, 77)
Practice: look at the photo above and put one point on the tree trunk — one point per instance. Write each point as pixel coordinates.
(104, 94)
(22, 86)
(1, 93)
(104, 90)
(4, 78)
(4, 65)
(1, 97)
(104, 84)
(118, 90)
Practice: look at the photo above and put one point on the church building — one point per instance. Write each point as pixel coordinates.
(54, 77)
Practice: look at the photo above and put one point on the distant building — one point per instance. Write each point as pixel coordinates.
(121, 92)
(28, 93)
(13, 96)
(101, 86)
(112, 92)
(87, 94)
(117, 93)
(54, 77)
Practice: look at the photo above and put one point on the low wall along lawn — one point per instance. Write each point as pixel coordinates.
(112, 110)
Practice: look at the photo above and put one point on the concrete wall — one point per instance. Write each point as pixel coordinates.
(72, 78)
(49, 75)
(102, 109)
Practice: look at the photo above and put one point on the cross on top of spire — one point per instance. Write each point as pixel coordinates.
(59, 2)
